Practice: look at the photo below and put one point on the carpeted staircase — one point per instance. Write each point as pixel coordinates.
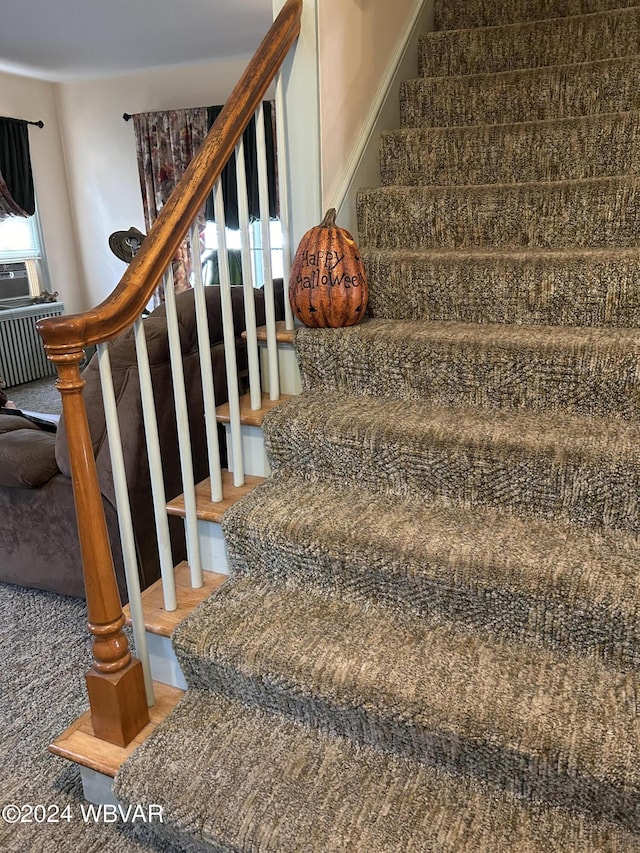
(431, 639)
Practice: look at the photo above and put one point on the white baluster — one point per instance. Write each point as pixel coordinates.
(206, 370)
(123, 508)
(229, 340)
(155, 468)
(255, 389)
(283, 197)
(184, 437)
(269, 299)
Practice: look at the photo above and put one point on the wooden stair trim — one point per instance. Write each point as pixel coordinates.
(80, 744)
(283, 335)
(157, 619)
(208, 510)
(249, 416)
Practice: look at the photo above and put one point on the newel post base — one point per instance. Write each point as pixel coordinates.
(115, 682)
(118, 703)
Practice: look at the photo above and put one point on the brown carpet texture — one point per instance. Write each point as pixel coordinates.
(430, 642)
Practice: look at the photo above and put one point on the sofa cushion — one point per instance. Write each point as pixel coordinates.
(27, 457)
(9, 423)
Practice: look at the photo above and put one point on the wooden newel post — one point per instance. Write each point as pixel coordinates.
(115, 681)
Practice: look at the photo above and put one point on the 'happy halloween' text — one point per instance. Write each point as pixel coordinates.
(312, 262)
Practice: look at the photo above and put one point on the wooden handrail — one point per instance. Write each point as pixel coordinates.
(115, 682)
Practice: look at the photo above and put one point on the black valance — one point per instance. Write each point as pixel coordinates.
(229, 185)
(15, 163)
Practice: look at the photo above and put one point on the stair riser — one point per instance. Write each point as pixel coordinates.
(213, 552)
(569, 149)
(449, 370)
(600, 214)
(530, 45)
(164, 665)
(389, 580)
(510, 770)
(596, 492)
(529, 95)
(539, 288)
(254, 460)
(288, 374)
(457, 14)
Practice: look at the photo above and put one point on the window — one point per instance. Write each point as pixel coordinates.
(234, 244)
(275, 239)
(21, 259)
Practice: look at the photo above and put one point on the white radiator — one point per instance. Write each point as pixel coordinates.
(22, 355)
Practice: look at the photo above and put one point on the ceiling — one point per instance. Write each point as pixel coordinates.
(79, 39)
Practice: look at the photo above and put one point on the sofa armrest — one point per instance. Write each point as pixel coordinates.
(27, 457)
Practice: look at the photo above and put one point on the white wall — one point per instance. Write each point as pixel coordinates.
(357, 40)
(342, 91)
(35, 100)
(104, 187)
(363, 169)
(300, 87)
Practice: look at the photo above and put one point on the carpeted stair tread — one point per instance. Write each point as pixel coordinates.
(554, 150)
(513, 714)
(235, 778)
(602, 212)
(515, 575)
(583, 469)
(530, 44)
(572, 286)
(550, 92)
(452, 14)
(589, 371)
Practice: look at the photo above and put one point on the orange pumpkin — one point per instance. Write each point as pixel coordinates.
(328, 284)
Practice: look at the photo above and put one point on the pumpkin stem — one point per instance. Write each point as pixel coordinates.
(329, 220)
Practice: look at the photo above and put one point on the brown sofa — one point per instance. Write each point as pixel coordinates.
(39, 534)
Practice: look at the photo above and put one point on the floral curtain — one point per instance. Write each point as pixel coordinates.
(17, 197)
(165, 143)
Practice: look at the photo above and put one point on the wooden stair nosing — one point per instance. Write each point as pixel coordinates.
(157, 619)
(283, 335)
(208, 510)
(80, 745)
(249, 416)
